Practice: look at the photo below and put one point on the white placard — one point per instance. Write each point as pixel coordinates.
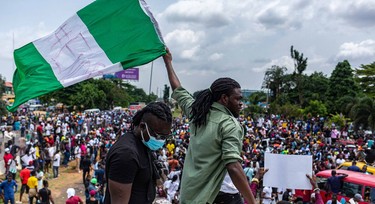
(287, 171)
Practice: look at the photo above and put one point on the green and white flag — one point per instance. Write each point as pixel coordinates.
(104, 37)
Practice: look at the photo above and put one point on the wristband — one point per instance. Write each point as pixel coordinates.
(316, 189)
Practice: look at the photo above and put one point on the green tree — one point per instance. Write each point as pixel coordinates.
(315, 88)
(300, 64)
(257, 97)
(99, 93)
(315, 108)
(3, 110)
(341, 83)
(363, 114)
(288, 110)
(365, 76)
(273, 80)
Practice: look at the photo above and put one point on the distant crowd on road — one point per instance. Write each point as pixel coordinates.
(82, 141)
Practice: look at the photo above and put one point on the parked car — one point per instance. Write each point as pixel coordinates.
(356, 182)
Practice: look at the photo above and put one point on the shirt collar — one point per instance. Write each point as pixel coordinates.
(221, 108)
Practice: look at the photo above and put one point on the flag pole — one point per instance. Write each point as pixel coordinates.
(149, 88)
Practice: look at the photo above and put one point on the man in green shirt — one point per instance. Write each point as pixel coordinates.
(216, 139)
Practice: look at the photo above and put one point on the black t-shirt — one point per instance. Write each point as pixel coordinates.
(128, 162)
(86, 163)
(44, 195)
(92, 202)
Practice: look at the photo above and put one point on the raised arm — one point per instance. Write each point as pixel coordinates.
(173, 79)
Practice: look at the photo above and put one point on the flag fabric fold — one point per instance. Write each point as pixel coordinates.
(104, 37)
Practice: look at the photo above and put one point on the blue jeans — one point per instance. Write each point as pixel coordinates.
(55, 171)
(66, 158)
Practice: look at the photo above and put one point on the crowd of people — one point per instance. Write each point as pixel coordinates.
(44, 143)
(215, 155)
(84, 140)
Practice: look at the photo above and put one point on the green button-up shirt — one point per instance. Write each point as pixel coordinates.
(211, 147)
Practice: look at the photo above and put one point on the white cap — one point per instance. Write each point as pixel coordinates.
(7, 150)
(71, 192)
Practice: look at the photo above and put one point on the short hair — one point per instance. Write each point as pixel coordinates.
(158, 109)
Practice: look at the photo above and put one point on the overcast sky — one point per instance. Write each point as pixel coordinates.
(220, 38)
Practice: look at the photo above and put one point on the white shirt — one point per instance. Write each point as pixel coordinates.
(77, 152)
(51, 152)
(172, 188)
(56, 160)
(268, 194)
(227, 186)
(340, 161)
(40, 176)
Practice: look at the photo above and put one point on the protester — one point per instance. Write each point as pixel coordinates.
(56, 164)
(24, 176)
(213, 114)
(136, 183)
(334, 182)
(72, 198)
(8, 188)
(44, 194)
(7, 156)
(354, 167)
(32, 184)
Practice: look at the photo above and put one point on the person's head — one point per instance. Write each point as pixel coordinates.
(45, 183)
(92, 193)
(334, 197)
(354, 163)
(225, 91)
(364, 168)
(9, 177)
(71, 192)
(174, 178)
(333, 172)
(358, 197)
(7, 150)
(153, 124)
(94, 181)
(32, 173)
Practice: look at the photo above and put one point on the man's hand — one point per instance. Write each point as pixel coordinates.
(260, 173)
(173, 79)
(312, 180)
(168, 56)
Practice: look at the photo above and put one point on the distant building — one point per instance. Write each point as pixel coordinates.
(8, 95)
(247, 92)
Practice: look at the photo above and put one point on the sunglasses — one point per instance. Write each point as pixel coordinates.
(159, 136)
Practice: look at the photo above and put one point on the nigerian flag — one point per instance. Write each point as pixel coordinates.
(104, 37)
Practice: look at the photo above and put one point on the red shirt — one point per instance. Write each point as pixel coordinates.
(39, 129)
(7, 157)
(24, 175)
(73, 200)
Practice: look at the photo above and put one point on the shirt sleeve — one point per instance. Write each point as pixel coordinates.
(123, 168)
(232, 135)
(184, 99)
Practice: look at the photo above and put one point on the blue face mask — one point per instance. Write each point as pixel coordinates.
(152, 143)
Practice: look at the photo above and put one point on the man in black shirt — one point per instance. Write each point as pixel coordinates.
(86, 167)
(130, 172)
(44, 194)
